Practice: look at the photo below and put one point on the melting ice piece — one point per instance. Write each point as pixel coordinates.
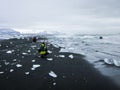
(27, 73)
(11, 70)
(71, 56)
(18, 65)
(24, 53)
(33, 60)
(9, 52)
(35, 66)
(49, 59)
(62, 56)
(116, 62)
(6, 63)
(1, 72)
(49, 51)
(29, 51)
(108, 61)
(51, 73)
(54, 83)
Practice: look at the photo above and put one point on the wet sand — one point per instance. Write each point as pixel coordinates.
(72, 73)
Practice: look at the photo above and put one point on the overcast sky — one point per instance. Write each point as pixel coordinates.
(84, 16)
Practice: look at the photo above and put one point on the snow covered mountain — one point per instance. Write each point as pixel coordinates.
(8, 31)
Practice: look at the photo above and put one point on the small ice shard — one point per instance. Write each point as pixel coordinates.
(29, 51)
(1, 72)
(54, 83)
(24, 53)
(116, 62)
(51, 73)
(9, 52)
(11, 42)
(49, 59)
(71, 56)
(32, 68)
(62, 56)
(14, 60)
(27, 73)
(11, 70)
(6, 63)
(18, 65)
(33, 60)
(108, 61)
(49, 51)
(36, 66)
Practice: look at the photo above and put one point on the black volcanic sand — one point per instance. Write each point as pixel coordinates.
(72, 74)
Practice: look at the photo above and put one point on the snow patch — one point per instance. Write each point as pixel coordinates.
(49, 59)
(18, 65)
(52, 74)
(71, 56)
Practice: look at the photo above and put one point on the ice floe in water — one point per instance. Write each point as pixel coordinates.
(71, 56)
(52, 74)
(49, 51)
(24, 53)
(62, 56)
(11, 70)
(9, 52)
(18, 65)
(35, 66)
(29, 51)
(33, 60)
(27, 73)
(49, 59)
(1, 72)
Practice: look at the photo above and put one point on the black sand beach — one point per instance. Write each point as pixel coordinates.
(72, 73)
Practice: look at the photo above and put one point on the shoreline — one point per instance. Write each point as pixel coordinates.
(72, 73)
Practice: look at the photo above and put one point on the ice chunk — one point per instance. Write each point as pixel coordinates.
(54, 83)
(11, 70)
(1, 72)
(49, 59)
(108, 61)
(14, 60)
(71, 56)
(51, 73)
(27, 73)
(18, 65)
(49, 51)
(6, 63)
(116, 62)
(29, 51)
(36, 66)
(33, 60)
(62, 56)
(24, 53)
(9, 52)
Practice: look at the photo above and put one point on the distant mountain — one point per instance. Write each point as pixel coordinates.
(8, 31)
